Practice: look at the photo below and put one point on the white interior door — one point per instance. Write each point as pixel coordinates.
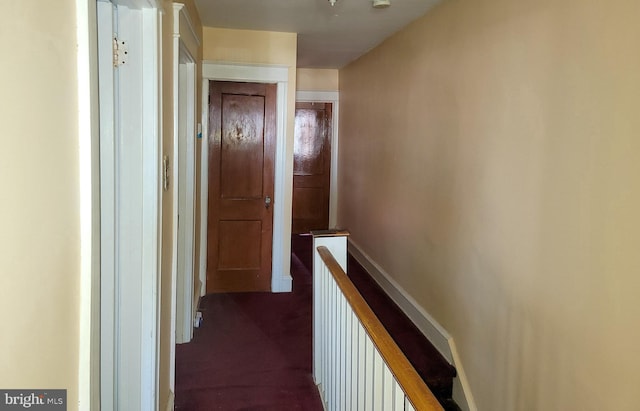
(129, 190)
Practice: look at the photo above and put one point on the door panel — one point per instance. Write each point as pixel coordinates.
(309, 203)
(242, 146)
(236, 251)
(311, 167)
(241, 172)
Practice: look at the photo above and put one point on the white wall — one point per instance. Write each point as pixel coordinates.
(39, 199)
(489, 163)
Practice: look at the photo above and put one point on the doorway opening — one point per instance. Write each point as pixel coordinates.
(311, 167)
(281, 280)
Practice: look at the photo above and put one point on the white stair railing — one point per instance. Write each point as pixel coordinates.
(357, 365)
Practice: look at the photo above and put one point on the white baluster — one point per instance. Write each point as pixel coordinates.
(398, 397)
(407, 405)
(354, 362)
(351, 373)
(378, 387)
(387, 395)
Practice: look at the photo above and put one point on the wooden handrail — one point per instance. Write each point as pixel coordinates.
(412, 384)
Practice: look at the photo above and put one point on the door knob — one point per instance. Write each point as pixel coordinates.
(267, 202)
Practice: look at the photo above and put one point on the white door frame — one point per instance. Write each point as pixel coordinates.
(107, 207)
(332, 97)
(185, 49)
(281, 280)
(130, 147)
(184, 195)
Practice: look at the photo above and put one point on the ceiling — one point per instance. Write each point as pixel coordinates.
(328, 37)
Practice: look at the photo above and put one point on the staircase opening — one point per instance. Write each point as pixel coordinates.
(434, 369)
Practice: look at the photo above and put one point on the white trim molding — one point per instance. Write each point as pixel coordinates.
(318, 96)
(204, 185)
(281, 280)
(89, 167)
(462, 394)
(184, 25)
(152, 206)
(332, 97)
(431, 329)
(185, 50)
(222, 71)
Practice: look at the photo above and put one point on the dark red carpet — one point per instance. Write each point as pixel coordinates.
(252, 352)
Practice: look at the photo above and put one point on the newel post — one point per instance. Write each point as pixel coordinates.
(335, 241)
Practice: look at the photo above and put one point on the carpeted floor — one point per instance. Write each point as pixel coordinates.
(252, 352)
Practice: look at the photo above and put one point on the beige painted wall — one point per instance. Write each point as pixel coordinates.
(168, 235)
(268, 48)
(39, 241)
(39, 200)
(248, 46)
(317, 80)
(489, 162)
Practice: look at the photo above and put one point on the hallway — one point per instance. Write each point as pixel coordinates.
(252, 352)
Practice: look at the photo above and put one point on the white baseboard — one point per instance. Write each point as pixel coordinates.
(283, 284)
(461, 390)
(425, 323)
(171, 401)
(431, 329)
(322, 399)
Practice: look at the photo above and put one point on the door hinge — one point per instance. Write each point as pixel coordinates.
(120, 52)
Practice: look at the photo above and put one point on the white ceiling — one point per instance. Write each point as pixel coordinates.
(328, 37)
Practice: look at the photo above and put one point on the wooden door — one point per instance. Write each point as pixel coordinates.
(311, 167)
(242, 124)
